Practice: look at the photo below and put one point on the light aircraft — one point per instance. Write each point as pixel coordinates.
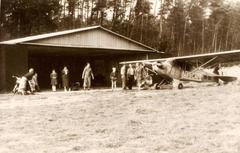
(191, 68)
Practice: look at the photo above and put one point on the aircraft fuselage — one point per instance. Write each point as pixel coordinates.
(175, 71)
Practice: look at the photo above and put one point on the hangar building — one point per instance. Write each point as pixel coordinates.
(101, 47)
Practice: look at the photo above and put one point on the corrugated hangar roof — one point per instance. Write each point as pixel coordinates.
(43, 38)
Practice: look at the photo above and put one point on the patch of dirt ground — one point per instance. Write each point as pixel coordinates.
(193, 120)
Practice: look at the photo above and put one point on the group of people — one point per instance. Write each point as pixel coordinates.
(87, 76)
(28, 83)
(129, 75)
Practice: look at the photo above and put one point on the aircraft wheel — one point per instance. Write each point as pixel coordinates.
(180, 86)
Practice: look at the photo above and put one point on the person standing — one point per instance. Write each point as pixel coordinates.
(139, 75)
(28, 76)
(54, 82)
(130, 76)
(35, 82)
(216, 71)
(123, 76)
(87, 75)
(24, 84)
(144, 71)
(113, 77)
(65, 78)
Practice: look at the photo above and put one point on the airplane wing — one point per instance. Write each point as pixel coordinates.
(211, 58)
(145, 61)
(217, 57)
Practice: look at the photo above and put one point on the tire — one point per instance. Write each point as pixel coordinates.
(180, 86)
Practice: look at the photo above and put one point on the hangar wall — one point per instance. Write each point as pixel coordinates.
(95, 38)
(2, 69)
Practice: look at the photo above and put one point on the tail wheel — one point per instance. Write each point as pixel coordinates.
(180, 86)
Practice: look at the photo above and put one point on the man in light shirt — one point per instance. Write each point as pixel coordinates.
(87, 75)
(123, 76)
(130, 76)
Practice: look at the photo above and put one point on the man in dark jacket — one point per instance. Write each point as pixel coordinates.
(29, 77)
(30, 74)
(216, 71)
(65, 79)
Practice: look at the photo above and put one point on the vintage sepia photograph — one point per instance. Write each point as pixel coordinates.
(119, 76)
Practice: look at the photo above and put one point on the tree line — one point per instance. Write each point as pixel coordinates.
(178, 27)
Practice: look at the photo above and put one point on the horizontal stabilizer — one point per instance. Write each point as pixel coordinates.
(226, 78)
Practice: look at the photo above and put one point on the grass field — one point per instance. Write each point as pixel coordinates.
(193, 120)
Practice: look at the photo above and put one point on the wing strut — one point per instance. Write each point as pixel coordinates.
(212, 59)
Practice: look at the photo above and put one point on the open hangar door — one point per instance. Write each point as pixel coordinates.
(45, 59)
